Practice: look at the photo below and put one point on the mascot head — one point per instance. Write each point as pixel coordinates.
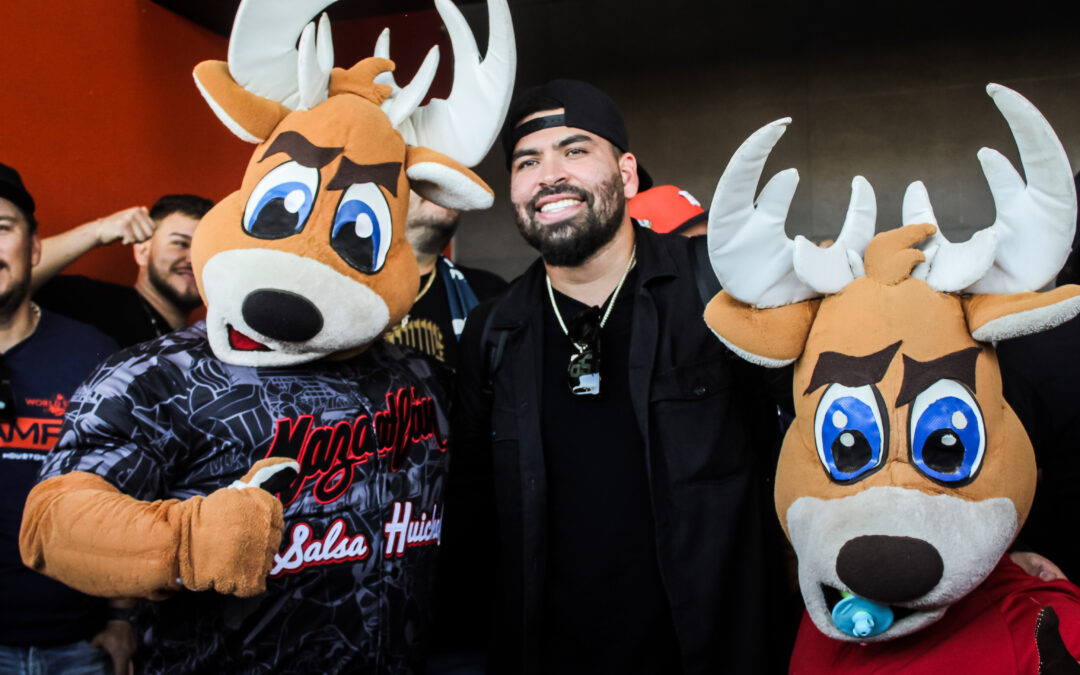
(308, 259)
(905, 475)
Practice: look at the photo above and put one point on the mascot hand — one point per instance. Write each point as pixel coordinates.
(232, 534)
(79, 529)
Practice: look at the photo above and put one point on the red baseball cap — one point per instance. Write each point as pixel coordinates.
(666, 209)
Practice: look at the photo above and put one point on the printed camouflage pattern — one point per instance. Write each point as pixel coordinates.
(351, 585)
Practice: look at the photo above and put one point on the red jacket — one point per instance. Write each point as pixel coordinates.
(991, 630)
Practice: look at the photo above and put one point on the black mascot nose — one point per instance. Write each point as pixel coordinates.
(282, 315)
(889, 569)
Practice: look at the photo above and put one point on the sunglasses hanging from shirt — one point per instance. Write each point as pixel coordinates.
(583, 373)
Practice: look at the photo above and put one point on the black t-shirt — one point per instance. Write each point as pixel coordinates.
(429, 327)
(45, 370)
(118, 311)
(605, 610)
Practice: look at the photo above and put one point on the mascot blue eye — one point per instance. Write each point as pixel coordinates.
(849, 431)
(362, 228)
(948, 437)
(280, 204)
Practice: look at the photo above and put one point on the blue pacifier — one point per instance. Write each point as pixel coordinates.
(860, 617)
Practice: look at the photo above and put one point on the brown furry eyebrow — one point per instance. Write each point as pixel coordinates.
(851, 371)
(303, 151)
(918, 375)
(350, 173)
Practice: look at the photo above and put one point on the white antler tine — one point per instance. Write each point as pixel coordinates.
(263, 58)
(1030, 238)
(917, 208)
(480, 95)
(324, 45)
(1044, 160)
(829, 270)
(408, 98)
(313, 65)
(749, 251)
(382, 51)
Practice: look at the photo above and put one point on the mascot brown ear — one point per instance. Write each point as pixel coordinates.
(247, 115)
(441, 180)
(1001, 317)
(772, 337)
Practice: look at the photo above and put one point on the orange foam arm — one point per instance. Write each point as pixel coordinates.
(82, 531)
(79, 529)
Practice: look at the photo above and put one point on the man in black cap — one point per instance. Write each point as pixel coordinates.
(44, 626)
(609, 446)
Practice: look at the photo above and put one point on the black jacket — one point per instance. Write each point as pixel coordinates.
(711, 436)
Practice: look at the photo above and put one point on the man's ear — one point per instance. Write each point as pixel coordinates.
(628, 170)
(141, 251)
(35, 249)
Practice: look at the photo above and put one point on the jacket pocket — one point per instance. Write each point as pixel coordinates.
(697, 424)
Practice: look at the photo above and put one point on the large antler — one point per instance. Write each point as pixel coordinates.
(464, 125)
(264, 60)
(752, 256)
(263, 57)
(1029, 240)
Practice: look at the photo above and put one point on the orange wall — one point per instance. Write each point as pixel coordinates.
(99, 111)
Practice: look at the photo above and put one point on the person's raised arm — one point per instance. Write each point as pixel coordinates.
(129, 226)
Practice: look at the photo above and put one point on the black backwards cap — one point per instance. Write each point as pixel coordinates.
(13, 190)
(586, 108)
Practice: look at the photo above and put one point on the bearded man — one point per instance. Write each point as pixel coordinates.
(621, 453)
(164, 293)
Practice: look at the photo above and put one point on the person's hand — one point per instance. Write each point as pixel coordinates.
(118, 641)
(1037, 566)
(129, 226)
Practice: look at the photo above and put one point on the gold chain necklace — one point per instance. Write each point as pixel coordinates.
(611, 301)
(427, 286)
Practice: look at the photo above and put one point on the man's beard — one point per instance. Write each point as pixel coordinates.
(183, 301)
(570, 242)
(13, 297)
(429, 235)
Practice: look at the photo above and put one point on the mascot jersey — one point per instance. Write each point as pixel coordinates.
(350, 586)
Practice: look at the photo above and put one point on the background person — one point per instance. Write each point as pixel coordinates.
(164, 293)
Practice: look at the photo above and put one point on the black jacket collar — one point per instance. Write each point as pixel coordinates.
(654, 261)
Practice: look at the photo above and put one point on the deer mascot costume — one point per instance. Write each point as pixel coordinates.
(302, 269)
(905, 476)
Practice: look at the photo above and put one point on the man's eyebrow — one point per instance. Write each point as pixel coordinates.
(351, 173)
(918, 375)
(570, 140)
(518, 154)
(851, 371)
(302, 150)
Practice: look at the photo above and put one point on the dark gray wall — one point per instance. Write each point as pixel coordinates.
(895, 94)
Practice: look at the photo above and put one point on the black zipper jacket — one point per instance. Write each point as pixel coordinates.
(709, 421)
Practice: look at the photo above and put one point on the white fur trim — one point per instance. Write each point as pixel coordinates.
(446, 187)
(231, 124)
(1025, 323)
(970, 537)
(264, 474)
(353, 314)
(752, 358)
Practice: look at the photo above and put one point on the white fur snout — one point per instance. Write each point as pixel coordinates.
(970, 537)
(352, 314)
